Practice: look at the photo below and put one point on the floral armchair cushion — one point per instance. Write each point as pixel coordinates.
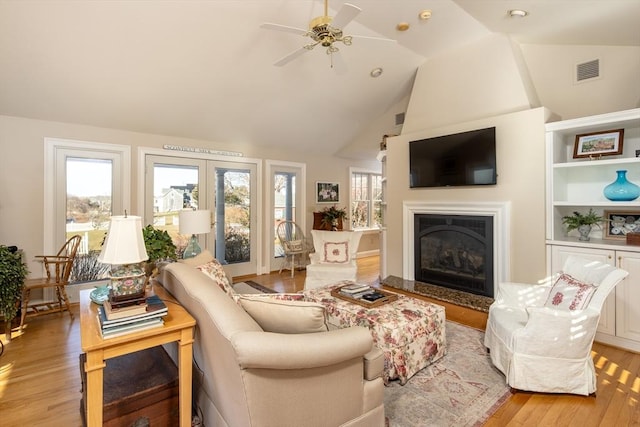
(335, 252)
(570, 294)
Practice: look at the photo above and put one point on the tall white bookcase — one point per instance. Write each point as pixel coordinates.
(577, 185)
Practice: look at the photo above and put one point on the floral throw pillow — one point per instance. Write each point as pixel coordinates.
(214, 270)
(335, 252)
(569, 293)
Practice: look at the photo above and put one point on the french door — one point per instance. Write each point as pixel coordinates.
(287, 201)
(227, 188)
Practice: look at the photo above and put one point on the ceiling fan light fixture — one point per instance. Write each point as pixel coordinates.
(376, 72)
(517, 13)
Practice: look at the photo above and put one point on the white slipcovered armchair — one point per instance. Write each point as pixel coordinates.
(334, 259)
(540, 336)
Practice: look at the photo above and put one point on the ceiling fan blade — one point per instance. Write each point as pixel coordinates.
(345, 15)
(290, 57)
(380, 39)
(284, 28)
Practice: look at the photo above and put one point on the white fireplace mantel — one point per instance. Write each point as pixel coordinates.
(500, 211)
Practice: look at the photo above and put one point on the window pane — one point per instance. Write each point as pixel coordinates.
(237, 215)
(89, 198)
(284, 204)
(174, 187)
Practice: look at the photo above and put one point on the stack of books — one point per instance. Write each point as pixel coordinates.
(124, 319)
(356, 290)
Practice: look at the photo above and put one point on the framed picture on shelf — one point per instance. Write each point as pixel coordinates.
(596, 144)
(618, 223)
(327, 192)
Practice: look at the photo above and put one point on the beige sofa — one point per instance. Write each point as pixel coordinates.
(244, 376)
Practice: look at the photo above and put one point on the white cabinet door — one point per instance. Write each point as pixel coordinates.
(628, 297)
(559, 254)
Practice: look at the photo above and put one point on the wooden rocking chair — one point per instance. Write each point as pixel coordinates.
(58, 268)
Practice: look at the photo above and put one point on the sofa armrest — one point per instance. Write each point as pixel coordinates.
(267, 350)
(373, 364)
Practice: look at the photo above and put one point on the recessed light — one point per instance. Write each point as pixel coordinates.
(402, 26)
(518, 13)
(424, 14)
(376, 72)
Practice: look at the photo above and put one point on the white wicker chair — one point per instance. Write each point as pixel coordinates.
(294, 244)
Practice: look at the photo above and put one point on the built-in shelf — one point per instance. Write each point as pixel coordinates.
(578, 185)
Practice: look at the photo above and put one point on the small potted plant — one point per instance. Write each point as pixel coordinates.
(332, 218)
(160, 247)
(582, 223)
(13, 271)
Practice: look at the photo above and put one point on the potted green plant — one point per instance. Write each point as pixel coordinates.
(13, 271)
(160, 247)
(582, 222)
(332, 217)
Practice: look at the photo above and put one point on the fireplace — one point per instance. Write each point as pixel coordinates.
(497, 258)
(455, 251)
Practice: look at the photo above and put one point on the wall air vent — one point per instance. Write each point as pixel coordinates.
(588, 70)
(399, 119)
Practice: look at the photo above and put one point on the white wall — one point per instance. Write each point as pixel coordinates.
(496, 82)
(22, 178)
(521, 180)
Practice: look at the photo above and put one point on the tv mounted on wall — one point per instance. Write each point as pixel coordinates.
(466, 158)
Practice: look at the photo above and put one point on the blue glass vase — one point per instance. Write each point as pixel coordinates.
(621, 190)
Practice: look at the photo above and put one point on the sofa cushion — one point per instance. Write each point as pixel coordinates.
(281, 314)
(569, 293)
(200, 259)
(214, 270)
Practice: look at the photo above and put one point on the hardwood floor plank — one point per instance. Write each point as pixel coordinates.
(40, 374)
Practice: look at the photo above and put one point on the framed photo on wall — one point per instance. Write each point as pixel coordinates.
(327, 192)
(596, 144)
(619, 223)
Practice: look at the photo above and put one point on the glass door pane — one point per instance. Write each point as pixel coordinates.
(234, 193)
(287, 190)
(176, 184)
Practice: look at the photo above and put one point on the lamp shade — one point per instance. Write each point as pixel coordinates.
(194, 222)
(124, 243)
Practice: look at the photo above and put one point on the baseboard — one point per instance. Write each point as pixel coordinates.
(364, 254)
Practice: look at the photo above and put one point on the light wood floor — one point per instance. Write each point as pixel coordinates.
(40, 377)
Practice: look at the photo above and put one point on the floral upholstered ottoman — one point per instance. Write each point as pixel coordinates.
(410, 332)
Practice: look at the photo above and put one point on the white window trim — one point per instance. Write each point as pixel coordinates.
(52, 191)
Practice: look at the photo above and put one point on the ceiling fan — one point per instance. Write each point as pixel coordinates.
(325, 31)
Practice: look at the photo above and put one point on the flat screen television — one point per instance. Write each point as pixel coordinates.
(461, 159)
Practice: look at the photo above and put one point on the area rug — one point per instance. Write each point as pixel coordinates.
(461, 389)
(465, 299)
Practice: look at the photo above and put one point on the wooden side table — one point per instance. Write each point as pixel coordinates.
(178, 327)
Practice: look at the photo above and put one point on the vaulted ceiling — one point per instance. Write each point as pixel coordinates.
(204, 69)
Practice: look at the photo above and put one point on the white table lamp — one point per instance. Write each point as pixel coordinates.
(124, 249)
(194, 222)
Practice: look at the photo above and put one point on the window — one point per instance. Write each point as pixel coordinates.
(366, 200)
(85, 183)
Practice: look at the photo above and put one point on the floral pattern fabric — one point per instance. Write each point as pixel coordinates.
(410, 332)
(570, 294)
(214, 270)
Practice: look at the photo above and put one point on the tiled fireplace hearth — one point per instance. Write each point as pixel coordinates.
(461, 246)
